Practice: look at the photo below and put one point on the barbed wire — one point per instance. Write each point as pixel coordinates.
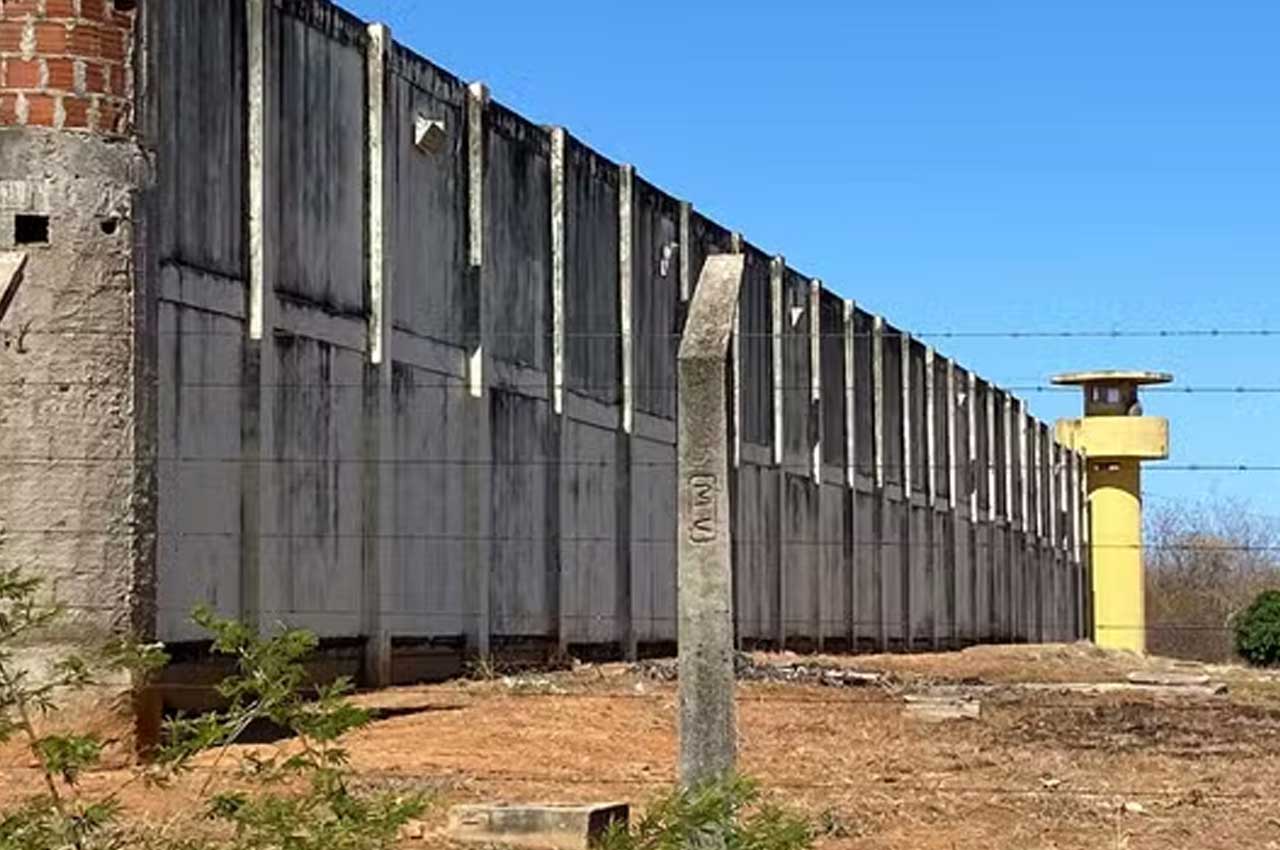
(865, 469)
(542, 386)
(788, 333)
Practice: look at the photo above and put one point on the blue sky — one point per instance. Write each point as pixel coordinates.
(983, 166)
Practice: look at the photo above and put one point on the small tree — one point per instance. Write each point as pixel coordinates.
(1258, 630)
(59, 817)
(301, 796)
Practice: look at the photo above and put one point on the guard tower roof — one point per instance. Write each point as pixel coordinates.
(1112, 376)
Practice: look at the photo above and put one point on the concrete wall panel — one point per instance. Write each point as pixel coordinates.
(318, 128)
(431, 283)
(591, 308)
(758, 553)
(653, 535)
(517, 268)
(802, 556)
(588, 534)
(524, 582)
(199, 480)
(313, 561)
(835, 562)
(200, 141)
(656, 307)
(425, 593)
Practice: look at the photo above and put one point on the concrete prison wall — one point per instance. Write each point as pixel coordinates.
(413, 376)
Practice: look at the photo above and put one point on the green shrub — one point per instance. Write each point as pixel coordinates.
(1258, 630)
(298, 796)
(726, 815)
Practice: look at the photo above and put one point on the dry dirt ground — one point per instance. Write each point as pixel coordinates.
(1040, 768)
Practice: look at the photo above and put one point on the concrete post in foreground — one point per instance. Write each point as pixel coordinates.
(708, 731)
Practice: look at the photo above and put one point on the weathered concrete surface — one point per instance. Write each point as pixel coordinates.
(283, 492)
(74, 505)
(708, 731)
(541, 826)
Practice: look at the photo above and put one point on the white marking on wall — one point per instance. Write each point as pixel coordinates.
(931, 429)
(1037, 465)
(877, 390)
(1006, 412)
(1024, 458)
(905, 344)
(850, 396)
(477, 100)
(626, 189)
(1056, 491)
(255, 24)
(971, 481)
(557, 269)
(953, 498)
(379, 297)
(776, 270)
(815, 375)
(991, 453)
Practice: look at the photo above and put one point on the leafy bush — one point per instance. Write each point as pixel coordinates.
(300, 795)
(1258, 630)
(728, 814)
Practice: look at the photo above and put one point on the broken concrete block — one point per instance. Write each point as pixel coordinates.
(935, 709)
(534, 825)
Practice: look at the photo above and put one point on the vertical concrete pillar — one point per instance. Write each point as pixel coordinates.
(735, 432)
(908, 557)
(931, 498)
(852, 537)
(1058, 559)
(972, 474)
(881, 501)
(557, 270)
(708, 735)
(992, 626)
(1008, 616)
(777, 273)
(1045, 580)
(378, 477)
(627, 594)
(953, 543)
(823, 547)
(557, 581)
(477, 495)
(686, 251)
(1023, 601)
(258, 472)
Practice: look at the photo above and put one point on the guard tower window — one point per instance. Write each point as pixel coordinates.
(1106, 395)
(31, 230)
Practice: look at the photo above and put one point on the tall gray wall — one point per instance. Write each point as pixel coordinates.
(456, 427)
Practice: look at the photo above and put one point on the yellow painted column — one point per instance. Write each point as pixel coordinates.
(1119, 594)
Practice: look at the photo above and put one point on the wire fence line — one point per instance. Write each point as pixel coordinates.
(457, 382)
(888, 333)
(923, 545)
(863, 469)
(509, 618)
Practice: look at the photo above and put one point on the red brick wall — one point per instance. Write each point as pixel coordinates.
(67, 64)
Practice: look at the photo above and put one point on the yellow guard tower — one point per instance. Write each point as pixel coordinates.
(1116, 437)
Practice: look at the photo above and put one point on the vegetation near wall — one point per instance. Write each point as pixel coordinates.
(1206, 563)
